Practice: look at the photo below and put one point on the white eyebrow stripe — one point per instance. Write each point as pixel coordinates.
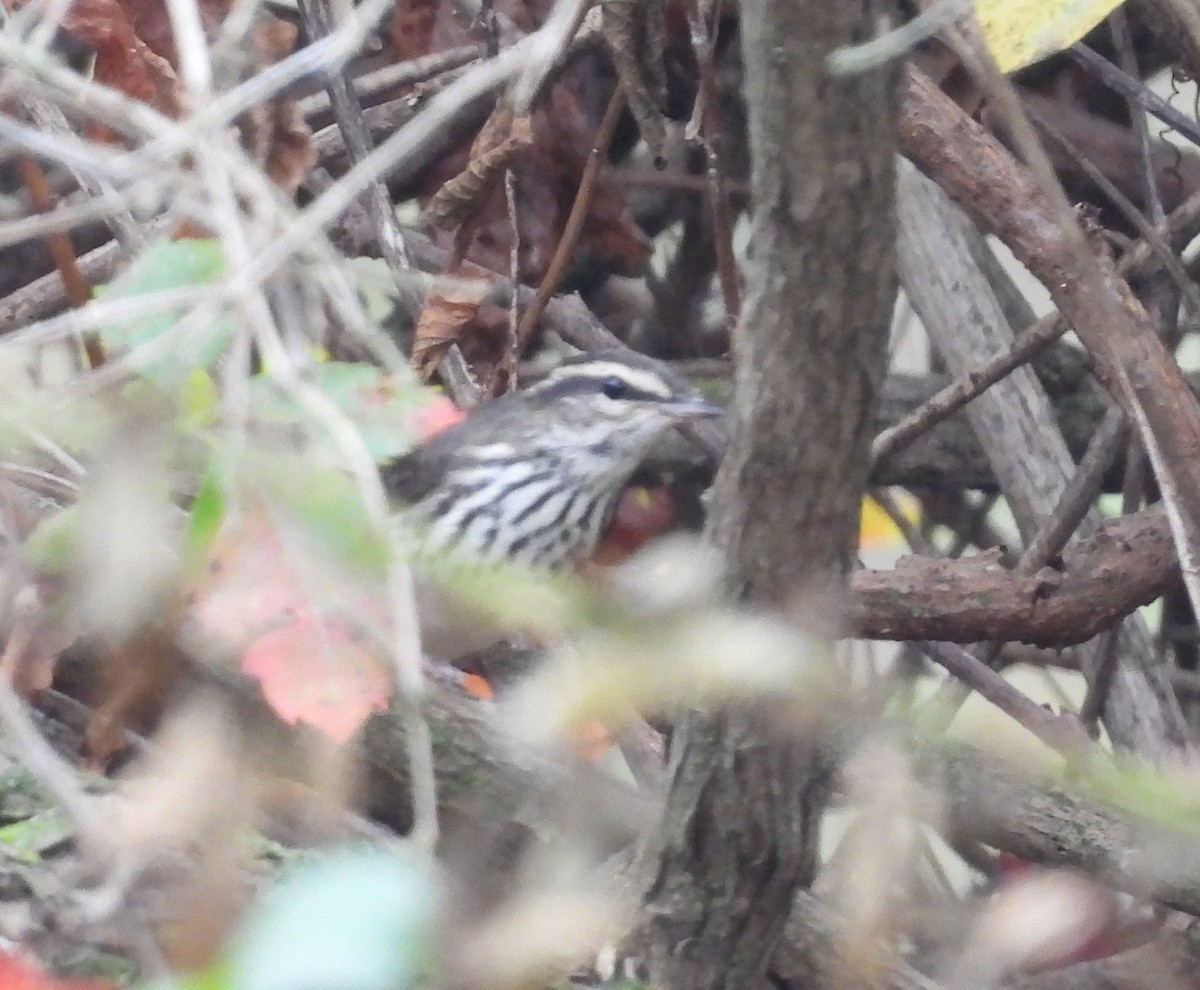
(639, 378)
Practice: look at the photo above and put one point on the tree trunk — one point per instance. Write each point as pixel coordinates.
(739, 833)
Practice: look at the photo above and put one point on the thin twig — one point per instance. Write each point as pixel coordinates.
(1092, 708)
(318, 18)
(956, 395)
(1031, 343)
(512, 347)
(1060, 733)
(899, 41)
(119, 216)
(1110, 321)
(1149, 235)
(895, 512)
(1050, 540)
(1123, 41)
(1079, 495)
(706, 125)
(535, 54)
(682, 181)
(388, 77)
(1133, 89)
(574, 226)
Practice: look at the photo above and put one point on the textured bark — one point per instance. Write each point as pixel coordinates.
(1046, 820)
(1014, 420)
(1129, 562)
(739, 833)
(1132, 361)
(967, 325)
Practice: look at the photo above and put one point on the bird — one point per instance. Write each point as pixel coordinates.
(533, 477)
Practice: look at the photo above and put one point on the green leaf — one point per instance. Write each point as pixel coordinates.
(214, 977)
(1166, 798)
(163, 266)
(25, 841)
(205, 517)
(356, 920)
(328, 508)
(20, 796)
(51, 545)
(380, 405)
(198, 398)
(519, 596)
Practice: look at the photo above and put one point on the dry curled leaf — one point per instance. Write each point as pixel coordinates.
(441, 323)
(135, 54)
(635, 33)
(563, 128)
(124, 61)
(274, 133)
(277, 137)
(500, 140)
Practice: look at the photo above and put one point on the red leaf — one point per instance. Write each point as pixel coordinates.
(258, 600)
(316, 671)
(16, 974)
(437, 416)
(478, 687)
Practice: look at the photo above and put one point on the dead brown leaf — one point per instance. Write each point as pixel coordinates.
(442, 321)
(413, 27)
(135, 54)
(547, 171)
(124, 61)
(275, 134)
(636, 35)
(498, 143)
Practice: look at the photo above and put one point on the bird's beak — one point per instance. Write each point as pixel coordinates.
(694, 409)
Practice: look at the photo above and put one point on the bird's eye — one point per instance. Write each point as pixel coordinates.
(613, 387)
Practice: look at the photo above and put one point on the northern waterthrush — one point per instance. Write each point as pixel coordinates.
(533, 477)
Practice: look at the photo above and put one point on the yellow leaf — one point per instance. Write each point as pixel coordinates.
(1020, 32)
(198, 398)
(876, 528)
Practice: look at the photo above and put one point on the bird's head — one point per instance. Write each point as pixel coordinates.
(612, 405)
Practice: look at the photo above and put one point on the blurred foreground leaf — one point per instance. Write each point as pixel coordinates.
(327, 508)
(356, 920)
(303, 623)
(18, 974)
(314, 669)
(1168, 797)
(50, 548)
(163, 266)
(27, 840)
(384, 408)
